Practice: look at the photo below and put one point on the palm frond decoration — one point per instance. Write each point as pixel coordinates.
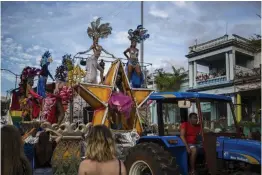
(98, 30)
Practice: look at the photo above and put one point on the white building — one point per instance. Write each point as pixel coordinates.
(234, 70)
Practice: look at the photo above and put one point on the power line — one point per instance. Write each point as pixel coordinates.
(116, 8)
(120, 9)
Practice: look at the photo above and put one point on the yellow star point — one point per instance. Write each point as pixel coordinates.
(97, 96)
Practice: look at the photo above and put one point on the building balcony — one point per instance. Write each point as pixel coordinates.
(212, 81)
(247, 73)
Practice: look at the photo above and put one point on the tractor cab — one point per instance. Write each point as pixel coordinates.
(215, 117)
(221, 149)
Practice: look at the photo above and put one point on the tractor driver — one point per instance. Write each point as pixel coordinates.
(189, 132)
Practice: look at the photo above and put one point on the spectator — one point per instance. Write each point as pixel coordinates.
(101, 154)
(14, 161)
(44, 151)
(189, 132)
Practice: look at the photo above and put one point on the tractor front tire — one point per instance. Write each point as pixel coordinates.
(150, 159)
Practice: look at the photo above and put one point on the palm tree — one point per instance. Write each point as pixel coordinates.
(255, 40)
(169, 82)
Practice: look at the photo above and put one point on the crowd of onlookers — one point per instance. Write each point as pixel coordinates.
(98, 153)
(212, 74)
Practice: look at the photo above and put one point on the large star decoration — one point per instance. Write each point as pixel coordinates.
(97, 96)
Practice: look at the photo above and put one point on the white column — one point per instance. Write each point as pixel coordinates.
(190, 72)
(195, 73)
(227, 66)
(229, 115)
(213, 111)
(232, 64)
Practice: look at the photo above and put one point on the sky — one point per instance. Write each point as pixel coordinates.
(28, 29)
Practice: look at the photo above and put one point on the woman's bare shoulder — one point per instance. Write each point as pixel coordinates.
(85, 167)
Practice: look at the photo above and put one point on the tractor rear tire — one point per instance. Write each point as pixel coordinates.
(153, 157)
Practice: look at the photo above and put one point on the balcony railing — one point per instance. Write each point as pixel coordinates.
(243, 72)
(212, 81)
(217, 41)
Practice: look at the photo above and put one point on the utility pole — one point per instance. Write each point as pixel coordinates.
(16, 75)
(142, 43)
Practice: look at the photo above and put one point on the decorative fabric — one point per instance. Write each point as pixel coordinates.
(91, 70)
(66, 93)
(122, 103)
(75, 75)
(48, 111)
(136, 80)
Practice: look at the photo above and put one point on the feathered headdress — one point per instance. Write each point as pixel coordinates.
(67, 62)
(97, 31)
(46, 57)
(67, 65)
(140, 34)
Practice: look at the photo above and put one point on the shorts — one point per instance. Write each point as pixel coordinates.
(197, 146)
(133, 62)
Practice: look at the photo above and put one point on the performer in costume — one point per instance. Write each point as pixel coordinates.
(137, 36)
(45, 61)
(61, 75)
(95, 32)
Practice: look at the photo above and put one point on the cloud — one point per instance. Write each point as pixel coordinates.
(180, 4)
(157, 12)
(173, 26)
(121, 38)
(8, 76)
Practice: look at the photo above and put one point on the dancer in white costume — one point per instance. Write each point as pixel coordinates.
(95, 32)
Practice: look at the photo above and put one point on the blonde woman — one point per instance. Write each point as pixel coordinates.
(100, 154)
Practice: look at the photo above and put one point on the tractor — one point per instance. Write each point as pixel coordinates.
(224, 152)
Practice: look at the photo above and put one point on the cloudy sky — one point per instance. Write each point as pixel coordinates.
(30, 28)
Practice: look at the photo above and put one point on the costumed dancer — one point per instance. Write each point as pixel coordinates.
(96, 31)
(45, 61)
(61, 75)
(137, 36)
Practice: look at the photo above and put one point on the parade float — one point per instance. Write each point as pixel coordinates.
(116, 101)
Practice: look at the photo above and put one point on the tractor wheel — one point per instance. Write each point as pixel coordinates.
(150, 159)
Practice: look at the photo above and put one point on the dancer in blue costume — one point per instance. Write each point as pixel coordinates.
(45, 61)
(133, 68)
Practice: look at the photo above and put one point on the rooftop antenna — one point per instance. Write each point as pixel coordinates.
(226, 28)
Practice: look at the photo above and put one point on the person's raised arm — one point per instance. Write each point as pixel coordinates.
(106, 52)
(86, 50)
(183, 136)
(125, 53)
(50, 75)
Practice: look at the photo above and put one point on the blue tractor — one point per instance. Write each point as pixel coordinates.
(224, 151)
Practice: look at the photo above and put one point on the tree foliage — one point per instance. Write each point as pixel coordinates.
(166, 81)
(255, 40)
(169, 82)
